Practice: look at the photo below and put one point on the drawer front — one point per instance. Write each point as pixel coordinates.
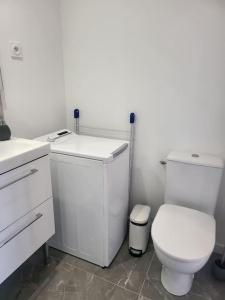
(20, 240)
(23, 189)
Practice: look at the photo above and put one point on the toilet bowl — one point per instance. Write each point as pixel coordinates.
(183, 239)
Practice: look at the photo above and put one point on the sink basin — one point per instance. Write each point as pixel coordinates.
(17, 152)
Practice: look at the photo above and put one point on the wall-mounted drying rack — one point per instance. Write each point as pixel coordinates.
(107, 133)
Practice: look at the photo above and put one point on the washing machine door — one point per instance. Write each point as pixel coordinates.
(78, 206)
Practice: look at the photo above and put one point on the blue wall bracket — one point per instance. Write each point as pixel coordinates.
(132, 118)
(76, 115)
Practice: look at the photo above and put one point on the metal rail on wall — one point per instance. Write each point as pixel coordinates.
(132, 119)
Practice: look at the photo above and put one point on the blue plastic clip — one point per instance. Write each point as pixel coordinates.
(132, 118)
(76, 113)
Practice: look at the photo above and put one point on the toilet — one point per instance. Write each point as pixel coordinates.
(184, 229)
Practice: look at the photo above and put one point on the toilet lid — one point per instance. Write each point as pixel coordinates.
(183, 233)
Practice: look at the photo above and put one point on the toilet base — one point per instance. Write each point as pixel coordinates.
(178, 284)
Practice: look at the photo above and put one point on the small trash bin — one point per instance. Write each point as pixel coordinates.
(139, 228)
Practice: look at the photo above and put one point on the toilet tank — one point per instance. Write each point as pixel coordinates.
(193, 180)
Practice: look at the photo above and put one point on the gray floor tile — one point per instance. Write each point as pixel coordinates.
(205, 287)
(77, 284)
(115, 294)
(82, 285)
(154, 290)
(152, 287)
(122, 294)
(127, 271)
(59, 279)
(51, 296)
(121, 267)
(67, 277)
(80, 263)
(137, 274)
(154, 271)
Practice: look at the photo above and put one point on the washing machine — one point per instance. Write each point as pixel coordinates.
(90, 178)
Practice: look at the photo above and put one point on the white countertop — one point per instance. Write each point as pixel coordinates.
(17, 151)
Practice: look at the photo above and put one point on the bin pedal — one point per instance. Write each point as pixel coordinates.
(135, 252)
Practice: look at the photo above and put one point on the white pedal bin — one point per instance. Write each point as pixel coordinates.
(139, 229)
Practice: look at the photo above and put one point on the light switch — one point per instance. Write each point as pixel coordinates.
(16, 50)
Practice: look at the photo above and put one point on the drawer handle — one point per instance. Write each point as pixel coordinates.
(31, 172)
(18, 231)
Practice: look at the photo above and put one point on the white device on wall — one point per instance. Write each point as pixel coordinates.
(184, 228)
(90, 178)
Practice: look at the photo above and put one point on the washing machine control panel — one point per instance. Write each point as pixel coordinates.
(57, 135)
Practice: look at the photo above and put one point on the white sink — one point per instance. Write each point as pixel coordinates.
(17, 151)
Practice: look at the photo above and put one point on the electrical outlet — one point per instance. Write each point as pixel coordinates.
(16, 50)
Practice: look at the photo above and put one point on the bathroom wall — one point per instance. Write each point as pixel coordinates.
(163, 60)
(34, 87)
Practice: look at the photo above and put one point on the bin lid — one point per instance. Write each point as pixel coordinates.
(140, 214)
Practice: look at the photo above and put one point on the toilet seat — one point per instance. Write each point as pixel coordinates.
(184, 234)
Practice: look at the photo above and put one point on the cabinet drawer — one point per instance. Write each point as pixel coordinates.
(23, 189)
(20, 240)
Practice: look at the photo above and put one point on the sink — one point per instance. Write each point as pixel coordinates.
(17, 152)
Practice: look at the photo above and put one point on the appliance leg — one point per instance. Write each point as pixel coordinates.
(46, 253)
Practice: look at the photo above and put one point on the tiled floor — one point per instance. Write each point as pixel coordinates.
(128, 278)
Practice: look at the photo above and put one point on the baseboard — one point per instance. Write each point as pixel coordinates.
(219, 248)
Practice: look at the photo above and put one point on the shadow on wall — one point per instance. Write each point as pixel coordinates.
(147, 188)
(220, 217)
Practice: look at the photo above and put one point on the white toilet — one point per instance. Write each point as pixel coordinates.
(184, 228)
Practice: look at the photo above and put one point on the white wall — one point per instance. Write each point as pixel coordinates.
(34, 87)
(163, 60)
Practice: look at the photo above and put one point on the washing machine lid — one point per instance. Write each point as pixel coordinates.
(184, 234)
(67, 142)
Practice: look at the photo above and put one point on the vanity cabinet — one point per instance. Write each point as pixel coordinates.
(26, 213)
